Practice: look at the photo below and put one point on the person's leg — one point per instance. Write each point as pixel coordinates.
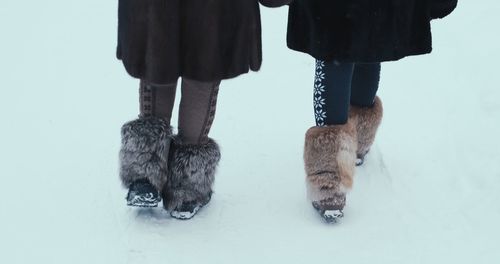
(157, 100)
(330, 148)
(366, 108)
(194, 156)
(332, 89)
(145, 145)
(197, 110)
(365, 83)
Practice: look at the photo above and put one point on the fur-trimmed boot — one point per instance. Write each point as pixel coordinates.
(190, 177)
(144, 158)
(330, 158)
(367, 121)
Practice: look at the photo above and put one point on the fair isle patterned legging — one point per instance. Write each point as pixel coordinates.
(337, 85)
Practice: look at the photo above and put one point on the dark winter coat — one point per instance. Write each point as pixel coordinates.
(204, 40)
(364, 30)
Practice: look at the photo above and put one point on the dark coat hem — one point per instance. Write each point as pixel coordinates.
(364, 59)
(173, 79)
(360, 30)
(160, 41)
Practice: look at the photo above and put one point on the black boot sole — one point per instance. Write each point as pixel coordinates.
(143, 201)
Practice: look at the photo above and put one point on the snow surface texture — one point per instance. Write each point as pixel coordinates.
(429, 191)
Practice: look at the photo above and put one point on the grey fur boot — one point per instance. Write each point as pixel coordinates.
(330, 158)
(144, 158)
(367, 120)
(190, 178)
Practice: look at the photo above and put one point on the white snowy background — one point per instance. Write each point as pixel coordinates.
(428, 193)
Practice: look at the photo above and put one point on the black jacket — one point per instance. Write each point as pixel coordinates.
(204, 40)
(364, 30)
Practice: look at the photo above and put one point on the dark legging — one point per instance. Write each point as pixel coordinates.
(196, 110)
(337, 85)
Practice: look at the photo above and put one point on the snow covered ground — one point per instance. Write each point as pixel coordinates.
(428, 193)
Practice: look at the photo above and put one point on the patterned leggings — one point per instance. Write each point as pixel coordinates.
(337, 85)
(196, 110)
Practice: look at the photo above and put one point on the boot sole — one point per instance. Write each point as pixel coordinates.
(143, 201)
(185, 215)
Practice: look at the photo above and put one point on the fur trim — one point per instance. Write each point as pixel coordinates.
(330, 157)
(367, 120)
(191, 173)
(144, 151)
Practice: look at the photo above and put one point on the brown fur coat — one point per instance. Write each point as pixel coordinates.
(204, 40)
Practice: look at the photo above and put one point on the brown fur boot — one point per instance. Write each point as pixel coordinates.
(367, 121)
(330, 158)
